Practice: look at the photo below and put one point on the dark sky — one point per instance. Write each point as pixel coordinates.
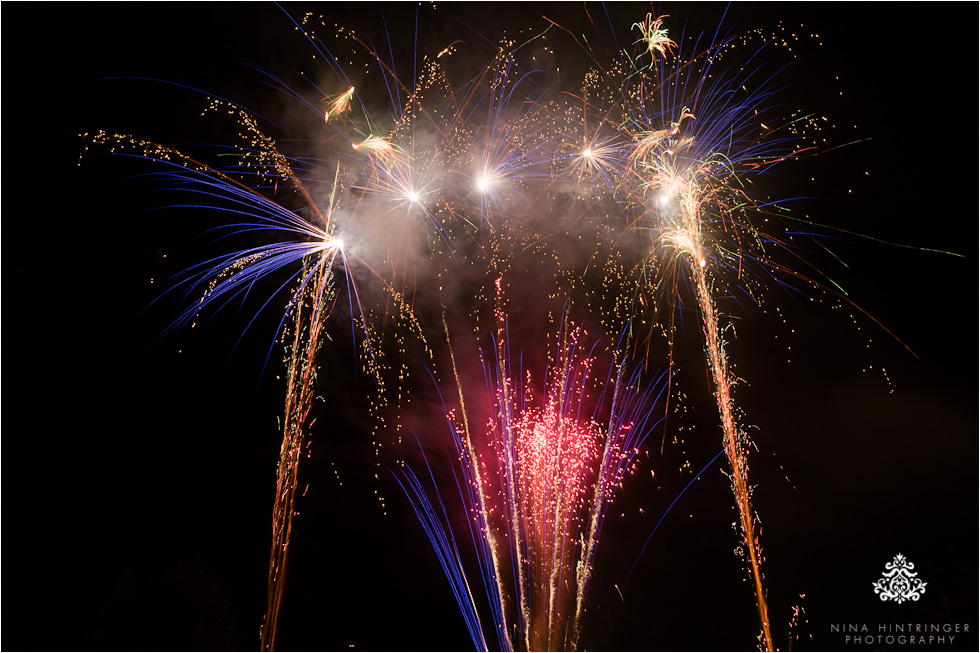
(139, 473)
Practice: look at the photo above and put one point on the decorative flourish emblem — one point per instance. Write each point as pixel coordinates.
(899, 582)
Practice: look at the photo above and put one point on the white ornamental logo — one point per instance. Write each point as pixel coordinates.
(899, 582)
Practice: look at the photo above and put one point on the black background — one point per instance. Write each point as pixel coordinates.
(139, 476)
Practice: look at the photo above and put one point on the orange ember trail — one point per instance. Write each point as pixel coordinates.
(734, 445)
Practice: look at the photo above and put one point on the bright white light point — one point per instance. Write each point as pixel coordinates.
(664, 199)
(413, 196)
(338, 243)
(587, 154)
(482, 183)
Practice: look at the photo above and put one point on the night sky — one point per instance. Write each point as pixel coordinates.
(140, 471)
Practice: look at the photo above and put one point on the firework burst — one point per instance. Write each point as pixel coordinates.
(662, 157)
(654, 37)
(536, 483)
(695, 161)
(303, 240)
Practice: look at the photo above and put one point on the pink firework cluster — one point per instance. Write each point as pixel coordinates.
(543, 472)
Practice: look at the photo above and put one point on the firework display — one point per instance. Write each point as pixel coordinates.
(514, 286)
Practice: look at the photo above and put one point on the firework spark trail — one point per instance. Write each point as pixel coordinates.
(300, 389)
(339, 106)
(314, 247)
(695, 165)
(444, 543)
(317, 249)
(539, 481)
(309, 319)
(735, 446)
(468, 452)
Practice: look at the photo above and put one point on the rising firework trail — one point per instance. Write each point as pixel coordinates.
(296, 240)
(694, 159)
(309, 318)
(300, 388)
